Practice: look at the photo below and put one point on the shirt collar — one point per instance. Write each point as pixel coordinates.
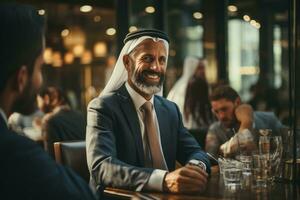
(137, 99)
(3, 115)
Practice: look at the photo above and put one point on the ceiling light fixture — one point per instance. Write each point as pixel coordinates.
(132, 28)
(86, 8)
(97, 18)
(150, 9)
(232, 8)
(41, 12)
(253, 22)
(197, 15)
(111, 31)
(65, 32)
(257, 25)
(246, 18)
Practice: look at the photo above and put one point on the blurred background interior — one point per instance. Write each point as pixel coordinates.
(245, 42)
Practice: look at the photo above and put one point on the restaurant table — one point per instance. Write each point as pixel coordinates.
(215, 191)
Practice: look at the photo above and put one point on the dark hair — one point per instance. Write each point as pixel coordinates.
(196, 101)
(54, 93)
(21, 39)
(224, 92)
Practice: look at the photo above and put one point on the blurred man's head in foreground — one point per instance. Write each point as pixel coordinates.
(21, 49)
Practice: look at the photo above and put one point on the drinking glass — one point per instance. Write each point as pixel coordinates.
(232, 174)
(271, 147)
(275, 156)
(264, 144)
(246, 170)
(265, 132)
(260, 165)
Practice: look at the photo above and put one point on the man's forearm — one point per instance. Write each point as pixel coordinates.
(112, 172)
(247, 124)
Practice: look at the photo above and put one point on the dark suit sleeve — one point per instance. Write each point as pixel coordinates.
(27, 172)
(105, 168)
(188, 148)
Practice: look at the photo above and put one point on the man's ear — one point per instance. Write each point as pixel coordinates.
(126, 61)
(238, 101)
(21, 79)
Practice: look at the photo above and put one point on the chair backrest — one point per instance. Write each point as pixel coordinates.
(73, 155)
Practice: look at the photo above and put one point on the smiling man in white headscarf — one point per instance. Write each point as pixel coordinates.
(134, 136)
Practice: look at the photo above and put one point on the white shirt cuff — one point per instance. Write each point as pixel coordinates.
(155, 182)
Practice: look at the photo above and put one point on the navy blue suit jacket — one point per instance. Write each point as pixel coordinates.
(114, 142)
(27, 172)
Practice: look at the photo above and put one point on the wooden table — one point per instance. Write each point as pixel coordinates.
(215, 191)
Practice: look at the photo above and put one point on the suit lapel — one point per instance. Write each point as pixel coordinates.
(165, 134)
(132, 119)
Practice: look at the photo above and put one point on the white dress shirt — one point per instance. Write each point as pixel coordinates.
(155, 181)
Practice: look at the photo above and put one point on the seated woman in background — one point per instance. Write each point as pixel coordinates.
(60, 122)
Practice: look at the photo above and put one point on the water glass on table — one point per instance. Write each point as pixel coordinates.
(276, 150)
(246, 161)
(271, 147)
(260, 169)
(232, 174)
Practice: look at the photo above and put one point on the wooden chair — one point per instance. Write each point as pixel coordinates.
(73, 155)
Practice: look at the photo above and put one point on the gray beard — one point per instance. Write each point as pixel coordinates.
(147, 89)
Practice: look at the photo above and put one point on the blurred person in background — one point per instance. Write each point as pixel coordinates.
(197, 109)
(197, 116)
(26, 171)
(200, 70)
(235, 120)
(60, 122)
(178, 91)
(264, 98)
(26, 124)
